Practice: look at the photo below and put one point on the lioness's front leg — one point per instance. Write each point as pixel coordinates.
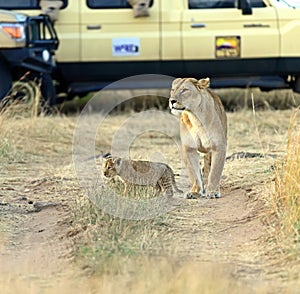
(191, 160)
(214, 177)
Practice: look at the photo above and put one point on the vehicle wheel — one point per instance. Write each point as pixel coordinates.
(6, 80)
(297, 85)
(48, 89)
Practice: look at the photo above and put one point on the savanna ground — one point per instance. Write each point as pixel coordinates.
(54, 240)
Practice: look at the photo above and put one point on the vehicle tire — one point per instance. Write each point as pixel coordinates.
(296, 87)
(48, 89)
(6, 80)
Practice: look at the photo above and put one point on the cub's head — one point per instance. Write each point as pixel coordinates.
(111, 167)
(140, 7)
(185, 94)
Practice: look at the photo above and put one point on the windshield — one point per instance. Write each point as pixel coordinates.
(288, 3)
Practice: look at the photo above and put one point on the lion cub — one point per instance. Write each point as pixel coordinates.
(144, 173)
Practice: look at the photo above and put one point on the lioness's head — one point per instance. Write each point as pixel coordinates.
(183, 92)
(140, 7)
(110, 167)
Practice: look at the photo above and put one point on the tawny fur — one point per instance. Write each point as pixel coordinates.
(145, 173)
(203, 128)
(140, 7)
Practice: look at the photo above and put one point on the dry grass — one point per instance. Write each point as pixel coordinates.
(286, 199)
(25, 99)
(234, 99)
(109, 242)
(147, 276)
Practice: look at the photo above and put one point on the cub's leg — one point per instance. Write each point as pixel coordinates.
(214, 177)
(174, 184)
(157, 189)
(126, 188)
(165, 186)
(191, 160)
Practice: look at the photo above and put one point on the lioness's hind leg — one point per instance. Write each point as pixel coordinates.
(207, 167)
(214, 177)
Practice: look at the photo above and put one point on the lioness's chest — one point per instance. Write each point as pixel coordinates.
(193, 133)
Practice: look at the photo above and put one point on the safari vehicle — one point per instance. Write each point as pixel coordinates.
(27, 46)
(102, 41)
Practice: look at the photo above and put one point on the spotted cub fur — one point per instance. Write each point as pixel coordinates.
(144, 173)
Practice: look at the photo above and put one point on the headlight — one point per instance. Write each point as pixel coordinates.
(46, 55)
(15, 31)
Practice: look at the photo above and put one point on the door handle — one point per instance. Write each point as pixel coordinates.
(198, 25)
(256, 25)
(93, 27)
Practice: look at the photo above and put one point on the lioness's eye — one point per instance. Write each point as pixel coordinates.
(183, 90)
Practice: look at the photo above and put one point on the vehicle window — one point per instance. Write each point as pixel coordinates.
(104, 4)
(23, 4)
(257, 3)
(205, 4)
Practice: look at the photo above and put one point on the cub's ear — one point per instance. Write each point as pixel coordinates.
(106, 155)
(117, 161)
(203, 83)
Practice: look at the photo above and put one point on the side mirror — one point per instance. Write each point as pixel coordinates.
(245, 6)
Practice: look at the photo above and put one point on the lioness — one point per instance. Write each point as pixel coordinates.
(140, 7)
(138, 172)
(203, 128)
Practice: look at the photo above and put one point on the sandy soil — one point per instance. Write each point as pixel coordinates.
(38, 191)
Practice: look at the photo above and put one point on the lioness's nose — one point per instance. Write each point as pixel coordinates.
(172, 101)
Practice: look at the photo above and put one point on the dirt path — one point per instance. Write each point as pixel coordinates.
(223, 231)
(34, 224)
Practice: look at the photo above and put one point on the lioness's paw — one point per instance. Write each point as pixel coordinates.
(192, 195)
(213, 195)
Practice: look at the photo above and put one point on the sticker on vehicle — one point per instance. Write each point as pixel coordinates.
(228, 47)
(126, 47)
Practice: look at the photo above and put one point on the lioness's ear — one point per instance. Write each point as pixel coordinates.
(203, 83)
(176, 82)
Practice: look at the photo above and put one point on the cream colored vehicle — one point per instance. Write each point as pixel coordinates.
(248, 41)
(27, 49)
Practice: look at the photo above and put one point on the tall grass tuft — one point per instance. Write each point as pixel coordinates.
(287, 184)
(108, 242)
(24, 100)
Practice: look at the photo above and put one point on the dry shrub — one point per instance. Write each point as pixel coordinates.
(141, 99)
(25, 99)
(286, 198)
(236, 99)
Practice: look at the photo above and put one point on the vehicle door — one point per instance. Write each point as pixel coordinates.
(110, 32)
(217, 29)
